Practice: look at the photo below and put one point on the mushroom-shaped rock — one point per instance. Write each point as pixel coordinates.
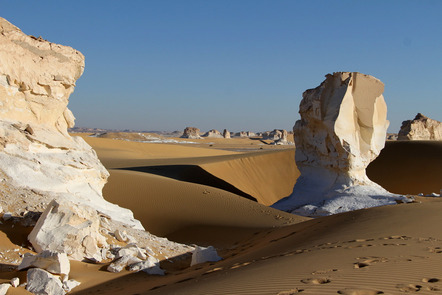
(342, 129)
(66, 227)
(36, 151)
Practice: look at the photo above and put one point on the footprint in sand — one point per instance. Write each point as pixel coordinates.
(430, 280)
(351, 291)
(291, 292)
(409, 287)
(322, 272)
(316, 281)
(367, 261)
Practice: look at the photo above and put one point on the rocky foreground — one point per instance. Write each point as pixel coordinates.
(52, 182)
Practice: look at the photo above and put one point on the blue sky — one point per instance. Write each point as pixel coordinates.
(236, 64)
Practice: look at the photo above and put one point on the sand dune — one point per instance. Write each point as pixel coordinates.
(409, 167)
(187, 193)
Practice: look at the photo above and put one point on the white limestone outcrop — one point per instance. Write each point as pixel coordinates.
(37, 155)
(4, 288)
(66, 227)
(191, 132)
(420, 128)
(204, 254)
(213, 133)
(226, 133)
(342, 129)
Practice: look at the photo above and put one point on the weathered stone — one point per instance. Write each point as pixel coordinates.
(131, 250)
(68, 285)
(53, 262)
(420, 128)
(342, 129)
(191, 132)
(37, 153)
(204, 254)
(15, 282)
(151, 266)
(226, 133)
(213, 133)
(120, 263)
(4, 288)
(41, 282)
(66, 227)
(120, 235)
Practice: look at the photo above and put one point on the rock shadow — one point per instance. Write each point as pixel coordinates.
(190, 173)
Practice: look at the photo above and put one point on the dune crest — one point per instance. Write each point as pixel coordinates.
(342, 129)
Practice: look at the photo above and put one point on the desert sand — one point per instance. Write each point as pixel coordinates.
(217, 195)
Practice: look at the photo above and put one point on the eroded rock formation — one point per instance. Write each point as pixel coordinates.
(213, 133)
(39, 160)
(226, 133)
(420, 128)
(191, 132)
(342, 129)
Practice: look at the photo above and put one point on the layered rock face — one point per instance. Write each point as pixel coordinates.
(39, 161)
(420, 128)
(191, 132)
(342, 129)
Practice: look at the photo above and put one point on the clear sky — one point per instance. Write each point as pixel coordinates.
(236, 64)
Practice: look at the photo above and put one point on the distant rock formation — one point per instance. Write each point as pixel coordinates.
(213, 134)
(39, 160)
(420, 128)
(226, 133)
(342, 129)
(279, 136)
(191, 132)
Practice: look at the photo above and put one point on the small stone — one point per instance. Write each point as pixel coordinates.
(70, 284)
(15, 282)
(7, 216)
(120, 235)
(56, 263)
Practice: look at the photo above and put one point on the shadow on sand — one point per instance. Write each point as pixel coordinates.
(190, 173)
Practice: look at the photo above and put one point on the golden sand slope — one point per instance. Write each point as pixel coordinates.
(386, 250)
(409, 167)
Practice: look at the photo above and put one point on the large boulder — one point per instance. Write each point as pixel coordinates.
(342, 129)
(42, 282)
(420, 128)
(39, 160)
(66, 227)
(191, 132)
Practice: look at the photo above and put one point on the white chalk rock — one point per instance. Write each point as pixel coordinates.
(131, 250)
(151, 266)
(68, 285)
(191, 132)
(342, 129)
(203, 254)
(4, 288)
(66, 227)
(119, 264)
(41, 282)
(120, 235)
(37, 153)
(15, 282)
(420, 128)
(213, 133)
(53, 262)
